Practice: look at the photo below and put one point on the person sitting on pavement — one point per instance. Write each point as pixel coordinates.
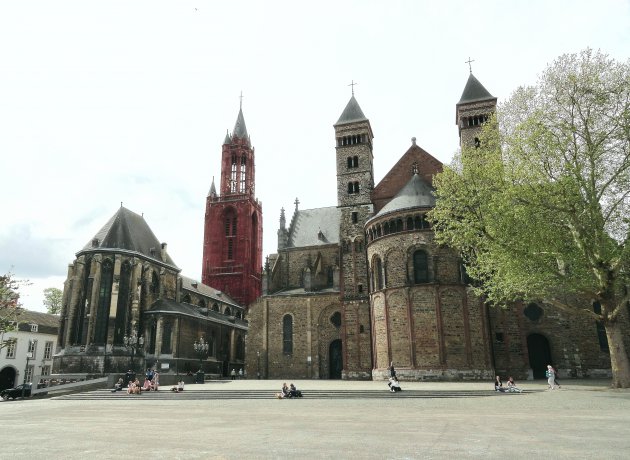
(394, 384)
(179, 387)
(294, 392)
(146, 386)
(498, 384)
(511, 386)
(118, 385)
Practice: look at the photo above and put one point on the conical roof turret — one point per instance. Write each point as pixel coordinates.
(240, 130)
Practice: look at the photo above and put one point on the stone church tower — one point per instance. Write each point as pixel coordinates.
(232, 245)
(355, 182)
(473, 109)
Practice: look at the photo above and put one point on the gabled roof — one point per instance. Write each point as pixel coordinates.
(128, 231)
(27, 317)
(351, 113)
(315, 227)
(474, 91)
(240, 130)
(415, 194)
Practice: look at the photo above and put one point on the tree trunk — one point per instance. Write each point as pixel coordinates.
(618, 356)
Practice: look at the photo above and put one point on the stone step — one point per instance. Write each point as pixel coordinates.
(270, 394)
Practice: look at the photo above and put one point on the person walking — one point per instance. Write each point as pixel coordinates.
(233, 374)
(392, 371)
(551, 377)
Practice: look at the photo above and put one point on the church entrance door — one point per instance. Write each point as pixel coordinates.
(335, 359)
(7, 378)
(539, 354)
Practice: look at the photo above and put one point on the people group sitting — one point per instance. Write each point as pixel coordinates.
(289, 392)
(118, 386)
(134, 387)
(394, 384)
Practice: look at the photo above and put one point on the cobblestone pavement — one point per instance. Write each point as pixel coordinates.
(584, 419)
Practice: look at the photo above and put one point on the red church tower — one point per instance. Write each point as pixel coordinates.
(232, 243)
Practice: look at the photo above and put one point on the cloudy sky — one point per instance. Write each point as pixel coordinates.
(110, 101)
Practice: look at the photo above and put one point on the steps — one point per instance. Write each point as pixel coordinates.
(196, 395)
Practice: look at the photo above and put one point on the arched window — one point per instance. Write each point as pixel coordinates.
(378, 266)
(399, 225)
(409, 223)
(227, 311)
(215, 307)
(287, 334)
(155, 284)
(233, 180)
(417, 223)
(335, 319)
(202, 303)
(420, 267)
(243, 170)
(120, 326)
(230, 233)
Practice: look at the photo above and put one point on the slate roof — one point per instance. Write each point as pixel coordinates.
(307, 224)
(474, 91)
(240, 130)
(129, 231)
(351, 113)
(415, 194)
(178, 308)
(47, 323)
(189, 284)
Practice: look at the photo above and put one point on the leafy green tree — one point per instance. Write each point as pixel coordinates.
(10, 307)
(52, 300)
(540, 211)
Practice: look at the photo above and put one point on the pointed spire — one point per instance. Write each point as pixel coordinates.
(283, 220)
(228, 139)
(240, 130)
(351, 113)
(474, 91)
(213, 189)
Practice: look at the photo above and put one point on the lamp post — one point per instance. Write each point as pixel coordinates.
(258, 364)
(201, 348)
(29, 355)
(134, 342)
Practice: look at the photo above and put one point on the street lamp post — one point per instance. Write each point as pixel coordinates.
(258, 364)
(133, 342)
(201, 348)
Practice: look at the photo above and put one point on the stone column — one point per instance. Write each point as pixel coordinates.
(159, 331)
(75, 298)
(232, 344)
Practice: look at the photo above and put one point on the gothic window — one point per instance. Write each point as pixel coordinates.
(601, 329)
(234, 226)
(230, 249)
(81, 319)
(287, 334)
(152, 338)
(227, 311)
(215, 307)
(122, 308)
(104, 299)
(243, 170)
(233, 180)
(167, 332)
(155, 284)
(420, 267)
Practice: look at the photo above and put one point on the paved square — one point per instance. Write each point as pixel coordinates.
(582, 420)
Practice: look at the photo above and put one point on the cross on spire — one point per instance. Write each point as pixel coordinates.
(241, 98)
(468, 62)
(352, 84)
(296, 203)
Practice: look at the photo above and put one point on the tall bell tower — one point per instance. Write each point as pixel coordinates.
(232, 243)
(473, 109)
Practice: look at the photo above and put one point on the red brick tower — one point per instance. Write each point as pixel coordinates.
(232, 243)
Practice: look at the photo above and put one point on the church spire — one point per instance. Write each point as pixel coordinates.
(213, 189)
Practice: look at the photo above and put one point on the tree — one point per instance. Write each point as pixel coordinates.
(10, 307)
(52, 300)
(540, 211)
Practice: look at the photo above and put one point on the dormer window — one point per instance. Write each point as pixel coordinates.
(33, 327)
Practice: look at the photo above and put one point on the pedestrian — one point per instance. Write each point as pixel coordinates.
(551, 377)
(240, 373)
(233, 374)
(555, 377)
(392, 371)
